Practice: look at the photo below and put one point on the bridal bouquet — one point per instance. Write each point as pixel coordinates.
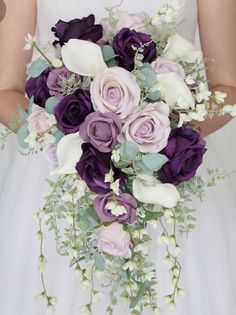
(112, 113)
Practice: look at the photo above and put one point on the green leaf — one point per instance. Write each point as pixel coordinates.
(58, 135)
(154, 96)
(93, 214)
(142, 167)
(149, 216)
(137, 298)
(149, 75)
(99, 261)
(154, 161)
(37, 68)
(31, 103)
(108, 53)
(50, 104)
(23, 114)
(21, 135)
(129, 150)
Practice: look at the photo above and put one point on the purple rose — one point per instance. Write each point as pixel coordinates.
(55, 81)
(72, 111)
(37, 87)
(110, 208)
(101, 130)
(78, 28)
(125, 42)
(185, 151)
(93, 166)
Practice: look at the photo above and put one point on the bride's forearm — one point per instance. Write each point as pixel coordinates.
(211, 125)
(9, 106)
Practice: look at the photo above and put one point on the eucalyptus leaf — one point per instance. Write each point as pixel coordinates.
(108, 53)
(37, 67)
(99, 261)
(152, 215)
(154, 96)
(21, 135)
(142, 167)
(58, 135)
(149, 75)
(50, 104)
(31, 103)
(129, 150)
(23, 114)
(154, 161)
(137, 298)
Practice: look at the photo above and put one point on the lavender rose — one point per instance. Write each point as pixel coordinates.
(149, 128)
(93, 166)
(101, 130)
(55, 81)
(120, 208)
(115, 90)
(124, 43)
(72, 111)
(78, 28)
(185, 151)
(114, 240)
(37, 87)
(38, 120)
(161, 65)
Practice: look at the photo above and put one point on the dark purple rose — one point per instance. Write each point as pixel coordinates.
(37, 87)
(109, 208)
(185, 151)
(101, 130)
(55, 81)
(72, 111)
(93, 166)
(78, 28)
(124, 42)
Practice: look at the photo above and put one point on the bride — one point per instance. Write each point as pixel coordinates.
(209, 257)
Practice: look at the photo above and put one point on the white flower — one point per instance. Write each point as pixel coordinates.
(200, 113)
(115, 156)
(183, 118)
(57, 63)
(190, 80)
(131, 265)
(115, 208)
(109, 177)
(83, 57)
(51, 120)
(153, 224)
(30, 42)
(203, 93)
(174, 90)
(179, 48)
(115, 187)
(143, 248)
(220, 97)
(140, 233)
(69, 152)
(148, 189)
(48, 139)
(229, 109)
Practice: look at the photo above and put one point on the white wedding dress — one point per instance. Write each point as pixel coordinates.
(209, 258)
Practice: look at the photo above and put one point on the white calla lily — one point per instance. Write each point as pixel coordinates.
(83, 57)
(148, 189)
(69, 152)
(174, 90)
(179, 48)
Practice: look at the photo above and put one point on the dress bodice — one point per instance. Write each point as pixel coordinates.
(49, 12)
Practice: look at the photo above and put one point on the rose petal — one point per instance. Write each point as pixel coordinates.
(69, 152)
(83, 57)
(148, 189)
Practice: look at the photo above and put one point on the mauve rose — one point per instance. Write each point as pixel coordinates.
(115, 90)
(124, 43)
(101, 206)
(37, 87)
(38, 120)
(84, 29)
(55, 81)
(72, 111)
(149, 128)
(185, 151)
(114, 240)
(101, 130)
(161, 65)
(93, 166)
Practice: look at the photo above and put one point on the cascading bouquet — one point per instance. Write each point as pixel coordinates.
(112, 114)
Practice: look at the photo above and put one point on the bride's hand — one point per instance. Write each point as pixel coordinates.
(18, 21)
(217, 26)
